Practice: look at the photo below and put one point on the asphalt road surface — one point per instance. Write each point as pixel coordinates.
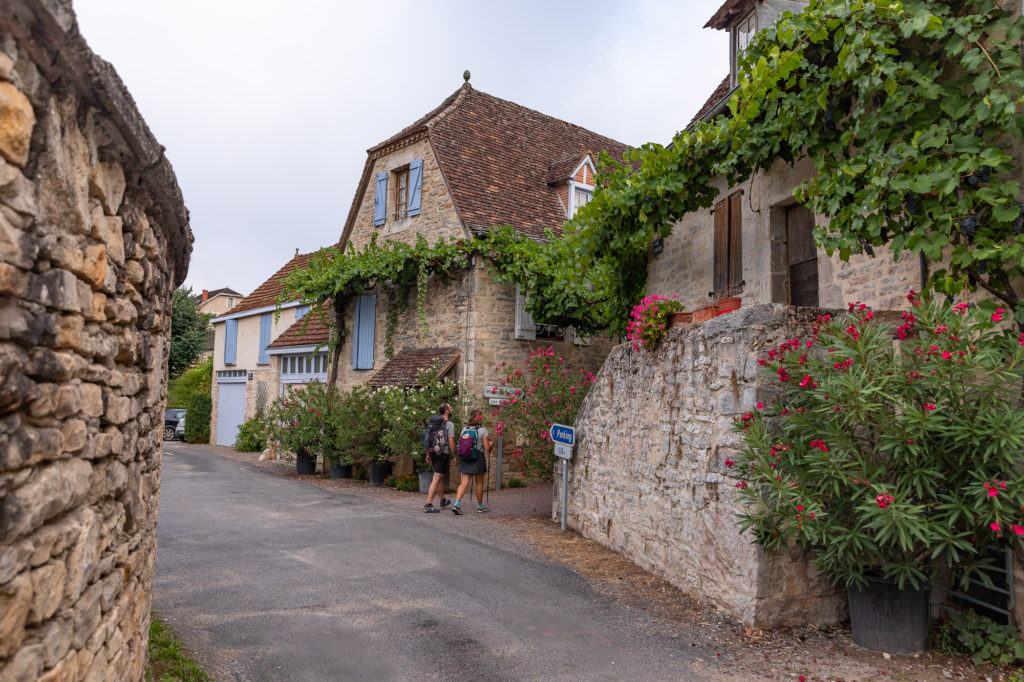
(267, 578)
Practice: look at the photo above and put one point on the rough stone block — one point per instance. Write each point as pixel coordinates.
(107, 229)
(14, 559)
(106, 183)
(17, 120)
(54, 488)
(55, 637)
(65, 671)
(47, 590)
(87, 615)
(55, 288)
(25, 665)
(75, 435)
(30, 445)
(15, 602)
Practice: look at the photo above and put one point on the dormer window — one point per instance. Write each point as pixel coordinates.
(743, 31)
(580, 197)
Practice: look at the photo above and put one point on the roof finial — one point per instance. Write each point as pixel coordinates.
(296, 251)
(465, 75)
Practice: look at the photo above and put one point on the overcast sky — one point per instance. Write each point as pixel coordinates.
(267, 108)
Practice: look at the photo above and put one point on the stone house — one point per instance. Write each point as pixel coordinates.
(473, 162)
(245, 370)
(94, 238)
(215, 303)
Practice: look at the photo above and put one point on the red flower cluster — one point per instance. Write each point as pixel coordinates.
(884, 500)
(820, 444)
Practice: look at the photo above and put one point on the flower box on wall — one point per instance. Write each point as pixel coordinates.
(705, 314)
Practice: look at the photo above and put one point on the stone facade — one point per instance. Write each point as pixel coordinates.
(94, 237)
(685, 265)
(648, 480)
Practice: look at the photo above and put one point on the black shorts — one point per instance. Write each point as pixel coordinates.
(440, 463)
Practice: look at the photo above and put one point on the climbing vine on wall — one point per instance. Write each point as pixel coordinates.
(911, 111)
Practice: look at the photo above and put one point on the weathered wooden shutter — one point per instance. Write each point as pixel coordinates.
(415, 186)
(263, 357)
(525, 328)
(364, 321)
(802, 257)
(300, 312)
(735, 242)
(230, 341)
(380, 199)
(720, 279)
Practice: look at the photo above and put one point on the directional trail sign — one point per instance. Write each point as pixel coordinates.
(563, 451)
(566, 435)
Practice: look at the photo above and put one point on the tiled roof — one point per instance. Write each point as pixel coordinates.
(728, 13)
(311, 330)
(227, 291)
(721, 92)
(404, 367)
(496, 157)
(562, 170)
(266, 293)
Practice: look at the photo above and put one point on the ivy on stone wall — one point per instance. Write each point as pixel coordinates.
(912, 112)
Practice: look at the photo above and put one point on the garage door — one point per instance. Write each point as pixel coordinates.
(230, 411)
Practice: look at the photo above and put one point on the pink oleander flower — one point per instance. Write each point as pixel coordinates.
(997, 316)
(995, 526)
(1018, 530)
(929, 407)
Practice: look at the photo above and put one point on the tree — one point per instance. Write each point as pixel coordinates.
(188, 331)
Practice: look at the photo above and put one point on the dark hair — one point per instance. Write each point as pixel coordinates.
(476, 417)
(443, 408)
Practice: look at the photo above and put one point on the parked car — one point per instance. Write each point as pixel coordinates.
(171, 418)
(179, 430)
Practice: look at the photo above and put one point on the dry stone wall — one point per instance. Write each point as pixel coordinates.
(648, 477)
(93, 239)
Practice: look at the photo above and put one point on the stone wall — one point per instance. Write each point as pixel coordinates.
(685, 266)
(648, 478)
(94, 237)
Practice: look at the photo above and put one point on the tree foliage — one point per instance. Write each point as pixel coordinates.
(189, 328)
(911, 111)
(195, 380)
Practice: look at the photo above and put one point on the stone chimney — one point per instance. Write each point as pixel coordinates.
(206, 295)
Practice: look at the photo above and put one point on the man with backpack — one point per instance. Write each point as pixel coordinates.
(440, 443)
(474, 443)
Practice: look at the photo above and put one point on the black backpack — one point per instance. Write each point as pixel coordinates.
(435, 441)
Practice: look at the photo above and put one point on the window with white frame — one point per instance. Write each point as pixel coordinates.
(743, 32)
(581, 196)
(298, 368)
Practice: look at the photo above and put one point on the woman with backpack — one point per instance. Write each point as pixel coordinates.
(474, 443)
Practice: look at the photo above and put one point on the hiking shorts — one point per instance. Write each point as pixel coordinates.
(440, 463)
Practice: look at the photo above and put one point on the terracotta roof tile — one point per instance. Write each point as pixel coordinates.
(721, 92)
(495, 156)
(404, 367)
(267, 293)
(311, 330)
(562, 170)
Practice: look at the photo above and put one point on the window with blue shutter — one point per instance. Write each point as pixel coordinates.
(265, 321)
(300, 312)
(230, 341)
(363, 321)
(415, 186)
(380, 199)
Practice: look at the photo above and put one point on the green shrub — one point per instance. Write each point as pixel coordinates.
(515, 483)
(406, 410)
(194, 381)
(197, 420)
(250, 438)
(981, 638)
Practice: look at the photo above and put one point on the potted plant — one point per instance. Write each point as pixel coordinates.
(352, 430)
(729, 303)
(293, 423)
(893, 461)
(649, 319)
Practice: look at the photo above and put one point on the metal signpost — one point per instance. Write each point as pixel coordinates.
(494, 395)
(564, 437)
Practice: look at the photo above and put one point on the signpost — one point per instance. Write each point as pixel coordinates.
(564, 437)
(495, 395)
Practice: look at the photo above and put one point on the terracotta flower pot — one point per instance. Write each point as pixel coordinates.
(681, 317)
(727, 305)
(705, 314)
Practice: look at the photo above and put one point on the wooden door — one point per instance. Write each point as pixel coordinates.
(802, 257)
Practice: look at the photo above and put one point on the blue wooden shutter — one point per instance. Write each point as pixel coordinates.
(380, 199)
(415, 186)
(264, 357)
(300, 312)
(230, 341)
(362, 332)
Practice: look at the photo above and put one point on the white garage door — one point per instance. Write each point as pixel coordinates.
(230, 411)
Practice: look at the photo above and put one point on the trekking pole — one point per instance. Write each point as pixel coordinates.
(487, 480)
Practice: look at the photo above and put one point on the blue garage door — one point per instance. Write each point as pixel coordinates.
(230, 411)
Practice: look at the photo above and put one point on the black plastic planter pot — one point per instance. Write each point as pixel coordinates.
(379, 471)
(886, 618)
(305, 463)
(341, 470)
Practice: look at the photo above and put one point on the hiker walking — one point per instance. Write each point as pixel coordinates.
(474, 444)
(440, 443)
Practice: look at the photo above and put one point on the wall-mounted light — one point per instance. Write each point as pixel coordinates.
(250, 376)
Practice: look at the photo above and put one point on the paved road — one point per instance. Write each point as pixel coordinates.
(268, 578)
